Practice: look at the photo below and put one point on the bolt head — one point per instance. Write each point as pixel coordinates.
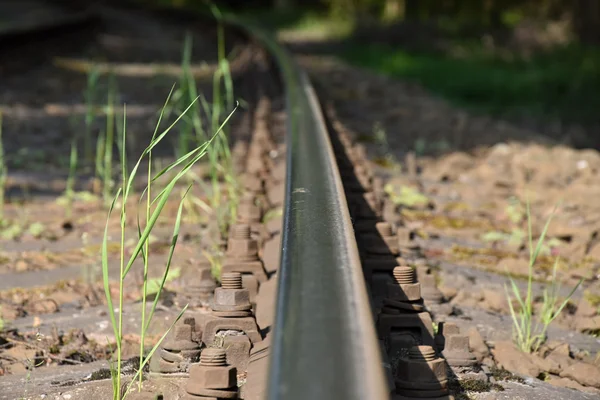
(205, 377)
(231, 297)
(242, 249)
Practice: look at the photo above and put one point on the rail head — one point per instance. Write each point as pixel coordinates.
(324, 344)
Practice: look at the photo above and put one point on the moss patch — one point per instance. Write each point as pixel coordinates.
(500, 374)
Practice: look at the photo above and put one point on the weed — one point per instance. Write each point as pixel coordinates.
(90, 101)
(3, 174)
(154, 207)
(109, 142)
(530, 335)
(224, 208)
(70, 187)
(406, 196)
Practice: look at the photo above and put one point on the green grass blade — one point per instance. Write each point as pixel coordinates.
(135, 168)
(149, 226)
(564, 303)
(105, 277)
(540, 242)
(174, 239)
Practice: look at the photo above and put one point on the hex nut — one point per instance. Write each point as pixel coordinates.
(450, 328)
(248, 211)
(221, 377)
(423, 374)
(376, 244)
(458, 352)
(231, 299)
(404, 236)
(242, 249)
(404, 292)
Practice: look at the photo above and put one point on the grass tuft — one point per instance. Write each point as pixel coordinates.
(529, 332)
(153, 209)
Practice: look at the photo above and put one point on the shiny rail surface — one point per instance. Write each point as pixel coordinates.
(324, 344)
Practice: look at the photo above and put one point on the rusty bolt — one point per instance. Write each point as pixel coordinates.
(212, 374)
(405, 288)
(248, 211)
(456, 347)
(231, 297)
(384, 242)
(430, 292)
(404, 275)
(240, 246)
(231, 280)
(422, 370)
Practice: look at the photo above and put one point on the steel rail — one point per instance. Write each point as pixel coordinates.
(324, 344)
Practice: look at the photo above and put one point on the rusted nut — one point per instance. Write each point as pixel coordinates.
(240, 245)
(419, 323)
(457, 351)
(431, 294)
(248, 211)
(382, 242)
(405, 288)
(231, 297)
(421, 370)
(200, 287)
(231, 300)
(405, 236)
(404, 292)
(212, 374)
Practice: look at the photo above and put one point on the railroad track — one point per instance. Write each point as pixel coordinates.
(332, 299)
